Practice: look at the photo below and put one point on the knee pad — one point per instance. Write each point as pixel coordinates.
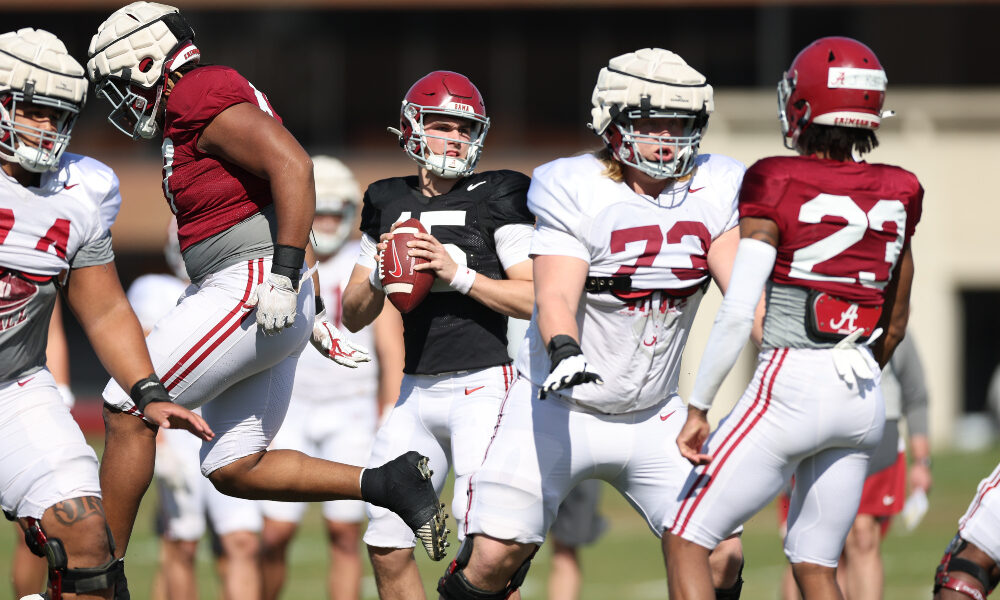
(951, 562)
(110, 575)
(732, 592)
(454, 586)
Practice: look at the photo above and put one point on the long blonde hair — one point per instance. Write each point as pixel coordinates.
(612, 168)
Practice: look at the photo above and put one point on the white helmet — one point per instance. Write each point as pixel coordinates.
(651, 83)
(129, 58)
(36, 69)
(338, 194)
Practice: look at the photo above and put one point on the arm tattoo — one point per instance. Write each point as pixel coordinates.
(75, 510)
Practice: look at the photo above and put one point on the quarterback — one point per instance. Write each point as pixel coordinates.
(457, 369)
(829, 236)
(625, 244)
(56, 210)
(242, 190)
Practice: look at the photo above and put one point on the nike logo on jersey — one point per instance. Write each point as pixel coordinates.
(25, 382)
(667, 416)
(70, 186)
(693, 190)
(475, 389)
(475, 185)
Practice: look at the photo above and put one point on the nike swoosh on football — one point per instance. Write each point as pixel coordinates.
(475, 185)
(475, 389)
(397, 268)
(25, 382)
(70, 186)
(667, 416)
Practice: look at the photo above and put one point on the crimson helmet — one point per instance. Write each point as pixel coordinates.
(833, 81)
(449, 94)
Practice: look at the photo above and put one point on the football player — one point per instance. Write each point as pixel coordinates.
(242, 190)
(56, 210)
(338, 422)
(626, 242)
(829, 235)
(457, 369)
(970, 567)
(187, 502)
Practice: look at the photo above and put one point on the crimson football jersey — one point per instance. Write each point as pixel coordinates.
(207, 193)
(842, 224)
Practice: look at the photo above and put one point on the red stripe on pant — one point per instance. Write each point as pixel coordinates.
(716, 465)
(236, 311)
(988, 487)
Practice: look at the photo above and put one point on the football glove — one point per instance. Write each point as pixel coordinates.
(850, 362)
(275, 300)
(569, 366)
(331, 343)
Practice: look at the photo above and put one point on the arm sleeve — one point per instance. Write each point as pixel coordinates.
(97, 252)
(558, 218)
(909, 371)
(513, 243)
(753, 265)
(366, 256)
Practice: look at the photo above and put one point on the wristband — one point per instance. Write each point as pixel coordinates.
(375, 281)
(925, 461)
(560, 348)
(463, 280)
(320, 306)
(148, 390)
(287, 261)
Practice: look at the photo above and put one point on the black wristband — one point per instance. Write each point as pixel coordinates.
(320, 306)
(148, 390)
(287, 261)
(561, 347)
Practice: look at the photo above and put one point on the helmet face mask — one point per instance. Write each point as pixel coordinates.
(39, 81)
(448, 95)
(651, 84)
(673, 155)
(129, 59)
(338, 195)
(834, 81)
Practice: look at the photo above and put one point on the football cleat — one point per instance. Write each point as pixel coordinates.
(403, 485)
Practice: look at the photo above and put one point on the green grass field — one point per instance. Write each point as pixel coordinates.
(626, 562)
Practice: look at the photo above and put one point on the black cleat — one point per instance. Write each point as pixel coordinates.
(403, 485)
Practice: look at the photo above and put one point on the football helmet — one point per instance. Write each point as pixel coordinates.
(833, 81)
(452, 95)
(129, 58)
(651, 83)
(36, 70)
(338, 194)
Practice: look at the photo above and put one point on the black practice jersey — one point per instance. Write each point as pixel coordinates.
(450, 331)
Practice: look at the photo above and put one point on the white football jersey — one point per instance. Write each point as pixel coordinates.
(662, 243)
(154, 295)
(44, 231)
(317, 378)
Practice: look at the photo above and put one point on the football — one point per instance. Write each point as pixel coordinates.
(405, 287)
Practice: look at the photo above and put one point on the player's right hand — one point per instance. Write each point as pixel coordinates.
(275, 299)
(572, 370)
(173, 416)
(692, 437)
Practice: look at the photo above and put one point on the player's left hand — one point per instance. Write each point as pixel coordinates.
(173, 416)
(570, 371)
(692, 437)
(439, 261)
(331, 343)
(275, 300)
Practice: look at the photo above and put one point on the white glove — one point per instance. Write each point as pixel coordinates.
(67, 395)
(275, 300)
(168, 467)
(332, 344)
(850, 362)
(572, 370)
